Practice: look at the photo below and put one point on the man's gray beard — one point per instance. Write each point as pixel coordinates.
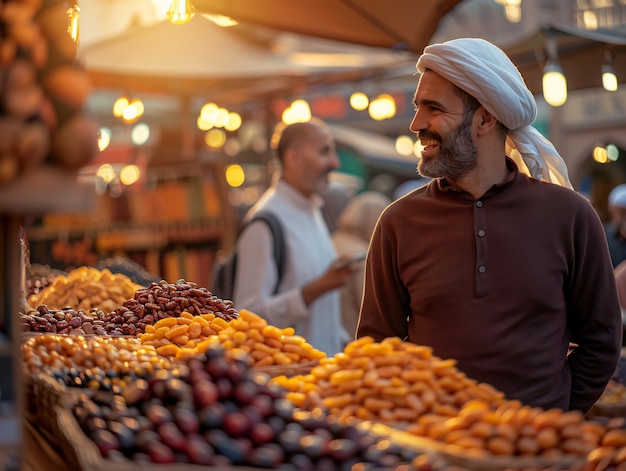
(457, 153)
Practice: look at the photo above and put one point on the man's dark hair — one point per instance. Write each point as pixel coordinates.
(471, 104)
(285, 135)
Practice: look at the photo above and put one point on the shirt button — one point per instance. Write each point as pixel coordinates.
(481, 233)
(479, 204)
(482, 269)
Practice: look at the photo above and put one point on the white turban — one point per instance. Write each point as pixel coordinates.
(485, 72)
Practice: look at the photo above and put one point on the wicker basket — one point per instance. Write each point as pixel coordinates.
(47, 394)
(82, 453)
(38, 452)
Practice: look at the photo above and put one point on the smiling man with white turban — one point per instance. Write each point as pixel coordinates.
(496, 262)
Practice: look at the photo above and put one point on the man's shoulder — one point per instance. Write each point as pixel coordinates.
(555, 192)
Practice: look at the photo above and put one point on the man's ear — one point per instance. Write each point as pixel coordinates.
(290, 158)
(485, 120)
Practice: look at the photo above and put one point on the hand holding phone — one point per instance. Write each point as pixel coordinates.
(355, 258)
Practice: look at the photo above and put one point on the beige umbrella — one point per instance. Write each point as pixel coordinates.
(180, 59)
(394, 24)
(200, 57)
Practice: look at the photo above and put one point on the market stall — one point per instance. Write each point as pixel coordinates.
(117, 375)
(178, 377)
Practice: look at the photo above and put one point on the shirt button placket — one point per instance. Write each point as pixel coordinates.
(481, 249)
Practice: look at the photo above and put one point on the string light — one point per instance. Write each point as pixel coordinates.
(600, 155)
(73, 29)
(512, 10)
(106, 172)
(215, 138)
(133, 111)
(119, 106)
(404, 145)
(554, 85)
(553, 82)
(129, 174)
(234, 121)
(382, 107)
(140, 134)
(212, 116)
(359, 101)
(298, 112)
(609, 77)
(104, 138)
(180, 12)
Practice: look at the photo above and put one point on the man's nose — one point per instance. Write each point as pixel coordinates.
(417, 123)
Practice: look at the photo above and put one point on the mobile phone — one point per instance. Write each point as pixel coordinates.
(355, 258)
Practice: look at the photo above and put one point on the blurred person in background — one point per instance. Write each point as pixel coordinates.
(615, 228)
(408, 186)
(308, 294)
(335, 199)
(496, 263)
(355, 226)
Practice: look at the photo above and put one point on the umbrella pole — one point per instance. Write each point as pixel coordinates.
(187, 130)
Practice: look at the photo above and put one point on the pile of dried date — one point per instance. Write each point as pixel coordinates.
(163, 299)
(157, 301)
(64, 321)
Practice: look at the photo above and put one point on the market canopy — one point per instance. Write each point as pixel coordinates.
(392, 24)
(200, 57)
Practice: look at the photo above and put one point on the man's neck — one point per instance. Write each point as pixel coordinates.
(480, 180)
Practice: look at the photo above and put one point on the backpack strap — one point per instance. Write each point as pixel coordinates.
(280, 255)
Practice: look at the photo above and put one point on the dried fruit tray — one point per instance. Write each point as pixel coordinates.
(456, 455)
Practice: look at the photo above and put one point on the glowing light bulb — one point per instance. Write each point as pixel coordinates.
(612, 152)
(554, 85)
(609, 79)
(215, 138)
(600, 155)
(74, 27)
(138, 104)
(234, 121)
(140, 134)
(221, 118)
(235, 175)
(383, 107)
(119, 106)
(106, 172)
(404, 145)
(359, 101)
(209, 111)
(129, 174)
(104, 138)
(298, 112)
(180, 12)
